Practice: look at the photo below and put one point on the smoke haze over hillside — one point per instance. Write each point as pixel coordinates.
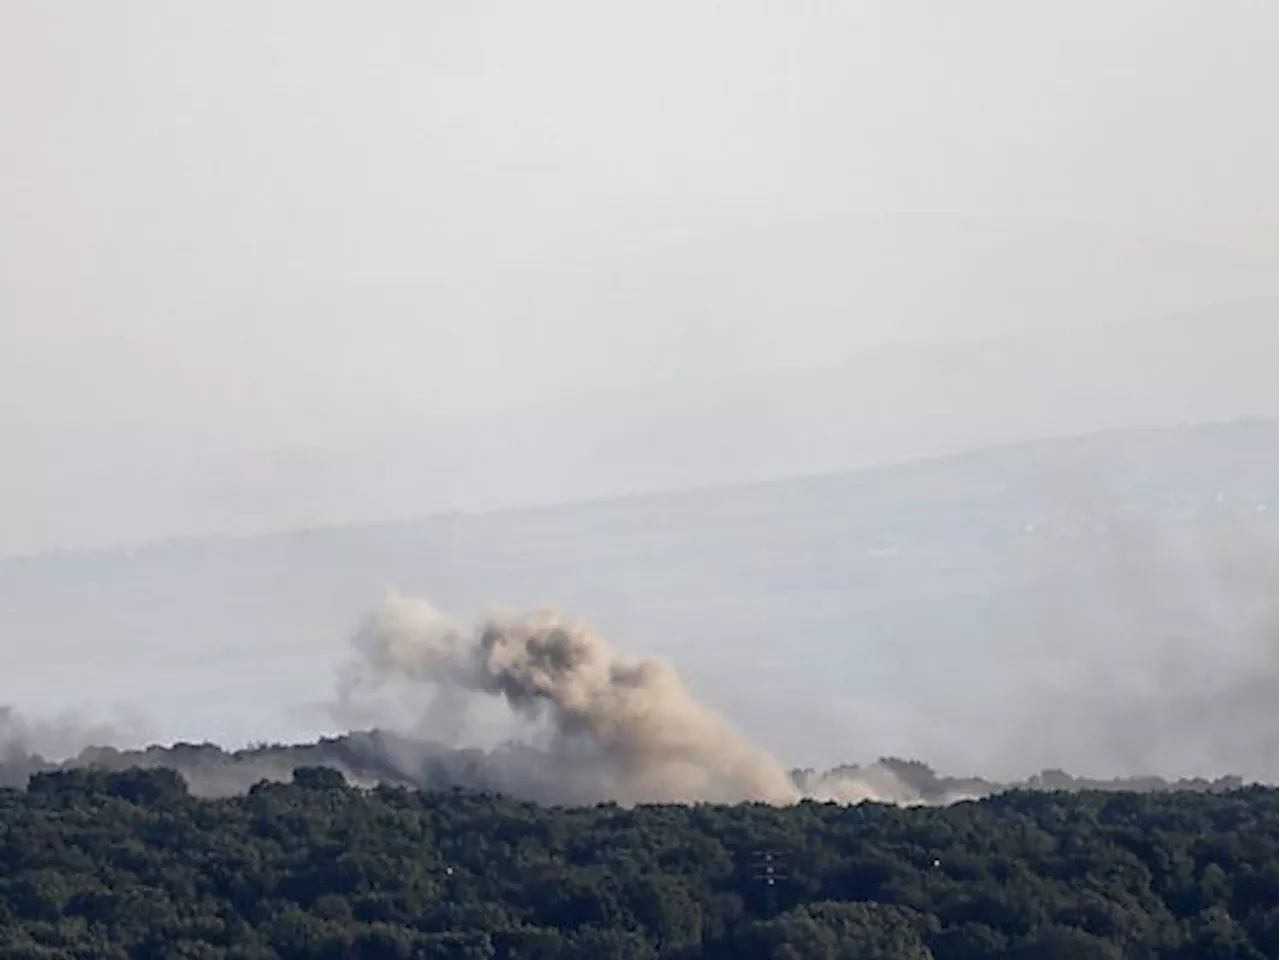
(590, 724)
(867, 380)
(1105, 606)
(622, 728)
(1164, 653)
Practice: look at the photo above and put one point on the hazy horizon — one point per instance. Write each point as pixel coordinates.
(253, 254)
(313, 266)
(87, 485)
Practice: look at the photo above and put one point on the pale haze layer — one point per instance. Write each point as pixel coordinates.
(269, 265)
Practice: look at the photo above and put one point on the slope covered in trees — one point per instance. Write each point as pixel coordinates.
(129, 864)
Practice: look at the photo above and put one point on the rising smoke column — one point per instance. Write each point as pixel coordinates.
(610, 727)
(632, 725)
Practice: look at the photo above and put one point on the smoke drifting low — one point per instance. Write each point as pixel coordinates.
(1146, 642)
(613, 727)
(62, 736)
(590, 725)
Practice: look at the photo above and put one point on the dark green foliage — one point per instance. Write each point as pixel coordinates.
(116, 865)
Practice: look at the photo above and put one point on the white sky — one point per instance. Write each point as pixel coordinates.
(262, 219)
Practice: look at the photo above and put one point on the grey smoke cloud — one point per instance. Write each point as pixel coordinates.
(633, 721)
(1168, 651)
(1162, 655)
(28, 744)
(594, 724)
(65, 735)
(591, 725)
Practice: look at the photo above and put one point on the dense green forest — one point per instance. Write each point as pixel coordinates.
(128, 864)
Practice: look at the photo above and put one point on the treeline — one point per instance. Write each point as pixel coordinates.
(514, 769)
(98, 864)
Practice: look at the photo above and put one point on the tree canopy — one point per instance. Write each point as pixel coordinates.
(127, 864)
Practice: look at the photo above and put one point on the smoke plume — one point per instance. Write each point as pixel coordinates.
(629, 725)
(608, 726)
(591, 725)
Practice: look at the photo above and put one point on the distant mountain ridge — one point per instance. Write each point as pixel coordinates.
(1193, 448)
(133, 484)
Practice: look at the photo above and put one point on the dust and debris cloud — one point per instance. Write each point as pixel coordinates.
(632, 722)
(592, 725)
(1168, 649)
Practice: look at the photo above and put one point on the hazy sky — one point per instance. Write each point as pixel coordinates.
(241, 222)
